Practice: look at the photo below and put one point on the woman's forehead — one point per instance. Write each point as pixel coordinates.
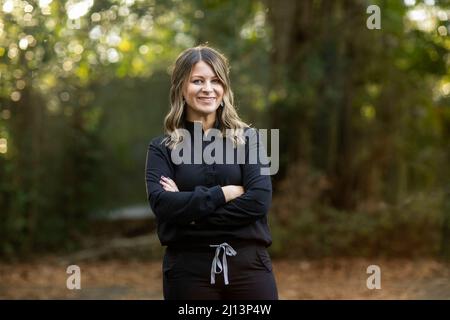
(202, 69)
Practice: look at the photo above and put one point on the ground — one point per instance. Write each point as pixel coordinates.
(296, 279)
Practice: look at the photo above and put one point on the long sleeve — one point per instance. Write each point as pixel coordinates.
(254, 204)
(176, 207)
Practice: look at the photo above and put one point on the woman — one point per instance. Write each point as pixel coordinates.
(211, 216)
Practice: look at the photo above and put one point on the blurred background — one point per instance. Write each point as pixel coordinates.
(364, 119)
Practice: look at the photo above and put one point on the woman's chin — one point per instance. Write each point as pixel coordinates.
(205, 109)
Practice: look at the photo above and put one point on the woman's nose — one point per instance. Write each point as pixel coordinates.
(207, 87)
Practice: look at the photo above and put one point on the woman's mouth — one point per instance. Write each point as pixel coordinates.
(207, 99)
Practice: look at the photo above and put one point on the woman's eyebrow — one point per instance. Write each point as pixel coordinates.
(199, 76)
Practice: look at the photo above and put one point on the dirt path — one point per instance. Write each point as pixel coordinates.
(324, 279)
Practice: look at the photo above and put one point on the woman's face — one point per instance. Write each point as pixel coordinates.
(203, 91)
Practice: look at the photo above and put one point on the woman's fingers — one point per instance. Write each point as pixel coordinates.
(231, 192)
(168, 184)
(167, 181)
(172, 183)
(165, 185)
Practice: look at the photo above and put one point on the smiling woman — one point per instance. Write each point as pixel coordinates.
(200, 91)
(211, 217)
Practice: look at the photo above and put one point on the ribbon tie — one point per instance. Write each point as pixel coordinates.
(217, 266)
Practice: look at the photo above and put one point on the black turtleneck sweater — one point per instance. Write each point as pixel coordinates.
(198, 215)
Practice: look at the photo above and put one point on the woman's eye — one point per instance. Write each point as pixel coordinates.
(198, 81)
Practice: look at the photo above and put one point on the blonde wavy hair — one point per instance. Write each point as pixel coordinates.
(226, 114)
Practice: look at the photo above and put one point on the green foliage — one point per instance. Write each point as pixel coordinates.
(364, 102)
(412, 229)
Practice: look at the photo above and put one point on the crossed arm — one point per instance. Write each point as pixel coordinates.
(218, 205)
(230, 192)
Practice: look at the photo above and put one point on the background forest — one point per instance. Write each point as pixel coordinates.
(364, 116)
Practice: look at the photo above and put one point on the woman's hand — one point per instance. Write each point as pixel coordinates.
(232, 192)
(168, 184)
